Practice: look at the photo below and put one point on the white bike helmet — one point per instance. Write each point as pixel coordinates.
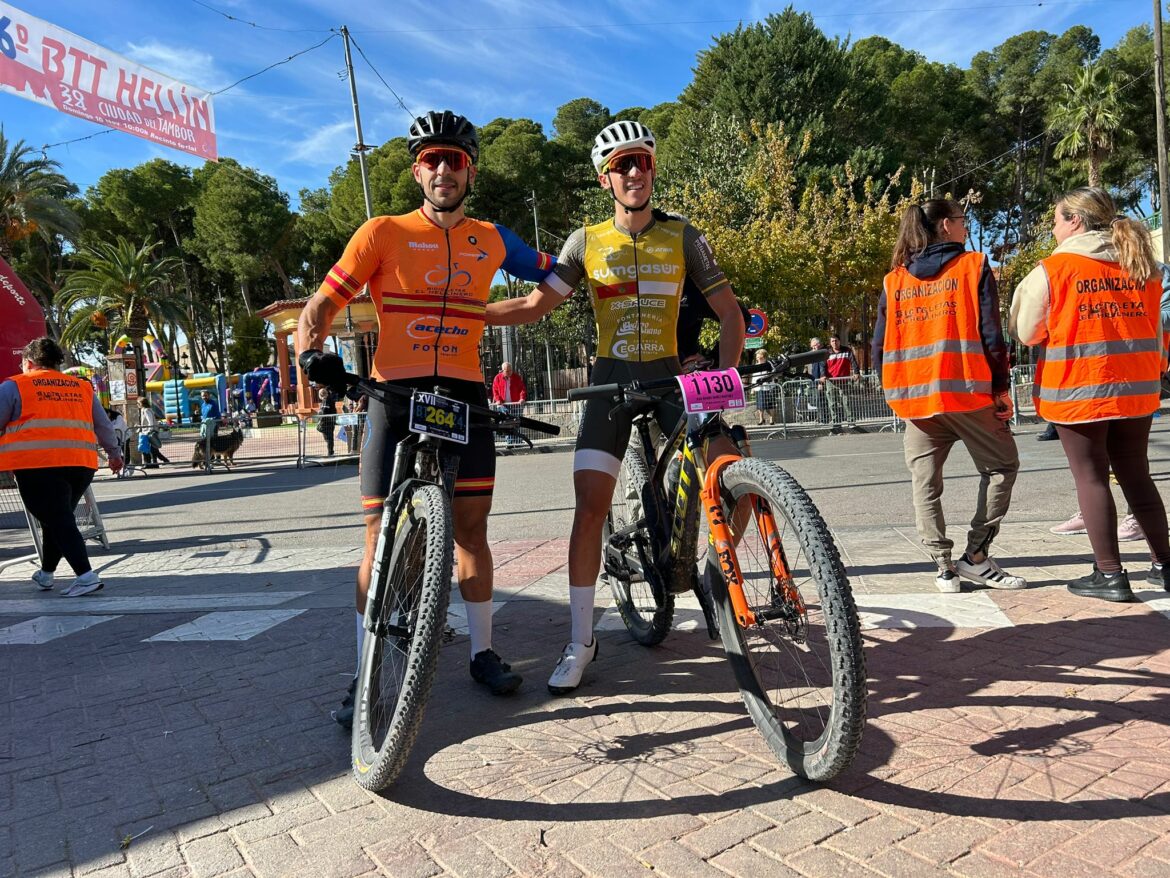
(620, 136)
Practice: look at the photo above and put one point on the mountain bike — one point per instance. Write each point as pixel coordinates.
(410, 583)
(782, 602)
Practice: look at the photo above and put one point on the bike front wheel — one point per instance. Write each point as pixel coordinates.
(399, 657)
(799, 662)
(646, 616)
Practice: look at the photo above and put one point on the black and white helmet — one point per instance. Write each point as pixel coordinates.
(443, 129)
(619, 136)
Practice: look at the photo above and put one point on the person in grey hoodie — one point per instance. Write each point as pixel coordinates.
(940, 350)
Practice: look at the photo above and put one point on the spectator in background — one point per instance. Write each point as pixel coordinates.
(327, 422)
(120, 430)
(767, 392)
(50, 426)
(1094, 307)
(944, 366)
(209, 415)
(842, 364)
(509, 394)
(148, 426)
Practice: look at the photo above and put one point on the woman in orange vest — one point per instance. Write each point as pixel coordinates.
(50, 425)
(1093, 306)
(944, 365)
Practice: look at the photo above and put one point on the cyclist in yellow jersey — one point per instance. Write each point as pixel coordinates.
(429, 273)
(635, 265)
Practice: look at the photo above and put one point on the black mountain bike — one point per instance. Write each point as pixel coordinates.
(782, 601)
(410, 583)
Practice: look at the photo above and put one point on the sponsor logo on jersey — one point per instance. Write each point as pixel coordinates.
(426, 327)
(630, 327)
(644, 302)
(624, 350)
(628, 272)
(422, 245)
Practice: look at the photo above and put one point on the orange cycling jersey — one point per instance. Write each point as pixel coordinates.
(430, 286)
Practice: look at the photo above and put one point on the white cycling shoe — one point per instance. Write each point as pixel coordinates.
(566, 676)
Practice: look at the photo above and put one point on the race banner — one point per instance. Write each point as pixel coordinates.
(43, 63)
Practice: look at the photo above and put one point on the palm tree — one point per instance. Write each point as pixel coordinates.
(1087, 118)
(125, 288)
(32, 193)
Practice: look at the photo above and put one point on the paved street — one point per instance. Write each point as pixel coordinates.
(177, 722)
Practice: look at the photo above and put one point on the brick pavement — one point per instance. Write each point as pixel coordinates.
(1010, 734)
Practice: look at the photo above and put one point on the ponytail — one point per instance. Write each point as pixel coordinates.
(1135, 250)
(921, 227)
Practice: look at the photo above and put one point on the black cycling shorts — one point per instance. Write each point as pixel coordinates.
(386, 426)
(600, 434)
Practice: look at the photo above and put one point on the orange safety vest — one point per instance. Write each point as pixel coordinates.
(55, 427)
(1103, 356)
(933, 361)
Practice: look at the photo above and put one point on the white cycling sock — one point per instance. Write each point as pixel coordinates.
(479, 625)
(361, 637)
(581, 608)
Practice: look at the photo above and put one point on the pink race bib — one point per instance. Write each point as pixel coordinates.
(711, 391)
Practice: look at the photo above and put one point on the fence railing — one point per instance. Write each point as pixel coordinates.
(1022, 379)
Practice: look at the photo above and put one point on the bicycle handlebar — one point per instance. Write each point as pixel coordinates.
(785, 364)
(498, 420)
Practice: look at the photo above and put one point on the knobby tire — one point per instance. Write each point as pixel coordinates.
(395, 675)
(807, 699)
(647, 619)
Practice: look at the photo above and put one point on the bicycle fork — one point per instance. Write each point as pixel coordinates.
(724, 543)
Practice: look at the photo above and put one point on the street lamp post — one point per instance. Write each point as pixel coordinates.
(547, 350)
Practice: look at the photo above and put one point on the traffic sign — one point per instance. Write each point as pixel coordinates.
(757, 324)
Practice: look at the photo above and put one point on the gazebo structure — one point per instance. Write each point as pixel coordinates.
(356, 325)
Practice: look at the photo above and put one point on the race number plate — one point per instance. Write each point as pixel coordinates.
(711, 391)
(439, 416)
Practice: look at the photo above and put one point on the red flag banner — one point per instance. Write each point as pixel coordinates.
(21, 320)
(43, 63)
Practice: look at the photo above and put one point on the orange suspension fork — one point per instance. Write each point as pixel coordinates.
(770, 534)
(723, 540)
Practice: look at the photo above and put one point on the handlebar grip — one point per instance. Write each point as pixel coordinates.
(598, 391)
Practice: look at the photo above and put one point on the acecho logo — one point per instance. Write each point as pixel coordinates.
(428, 327)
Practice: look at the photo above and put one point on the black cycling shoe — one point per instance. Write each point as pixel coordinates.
(1159, 575)
(343, 716)
(492, 671)
(1106, 586)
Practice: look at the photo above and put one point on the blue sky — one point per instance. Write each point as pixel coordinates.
(516, 58)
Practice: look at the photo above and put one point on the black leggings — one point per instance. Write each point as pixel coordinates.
(1122, 444)
(50, 495)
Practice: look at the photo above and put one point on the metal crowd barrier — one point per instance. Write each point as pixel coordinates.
(18, 528)
(1022, 378)
(239, 440)
(802, 403)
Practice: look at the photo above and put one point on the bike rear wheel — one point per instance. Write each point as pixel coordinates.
(800, 669)
(646, 617)
(398, 664)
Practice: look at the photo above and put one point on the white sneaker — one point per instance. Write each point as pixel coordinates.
(987, 572)
(947, 581)
(84, 584)
(43, 579)
(566, 676)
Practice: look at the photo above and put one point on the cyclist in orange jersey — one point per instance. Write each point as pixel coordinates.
(429, 274)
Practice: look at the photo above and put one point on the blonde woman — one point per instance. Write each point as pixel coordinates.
(1093, 308)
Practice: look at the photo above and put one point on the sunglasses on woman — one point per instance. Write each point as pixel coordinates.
(455, 159)
(622, 164)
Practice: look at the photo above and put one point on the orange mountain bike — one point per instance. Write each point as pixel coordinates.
(774, 586)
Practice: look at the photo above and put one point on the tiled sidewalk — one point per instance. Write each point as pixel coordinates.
(1010, 733)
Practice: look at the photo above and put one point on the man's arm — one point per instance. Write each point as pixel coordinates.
(527, 309)
(314, 322)
(731, 328)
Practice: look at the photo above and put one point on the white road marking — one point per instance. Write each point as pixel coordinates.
(45, 628)
(238, 625)
(152, 603)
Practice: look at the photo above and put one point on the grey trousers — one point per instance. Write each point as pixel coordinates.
(992, 447)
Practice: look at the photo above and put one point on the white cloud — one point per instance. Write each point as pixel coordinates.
(187, 65)
(325, 145)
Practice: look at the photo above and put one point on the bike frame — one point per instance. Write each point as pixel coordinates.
(694, 448)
